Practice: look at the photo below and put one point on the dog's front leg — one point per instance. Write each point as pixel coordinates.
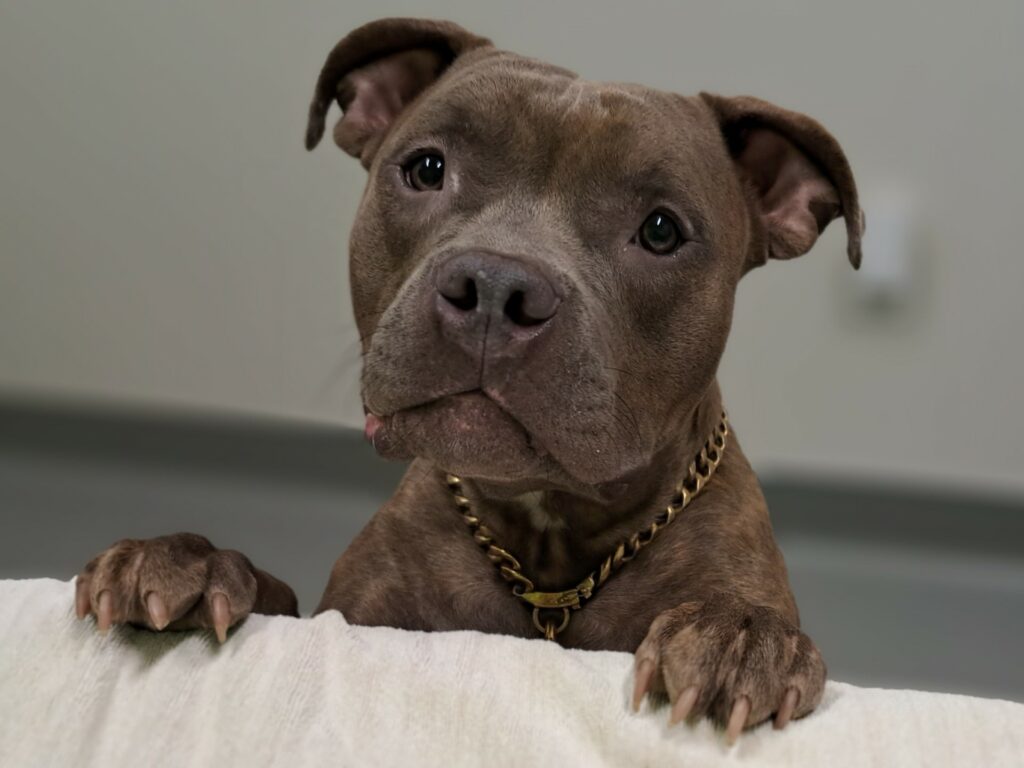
(731, 661)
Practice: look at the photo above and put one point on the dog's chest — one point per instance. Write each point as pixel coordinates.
(616, 617)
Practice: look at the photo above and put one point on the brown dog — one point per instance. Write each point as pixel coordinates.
(543, 272)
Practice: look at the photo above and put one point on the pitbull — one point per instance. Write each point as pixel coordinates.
(543, 271)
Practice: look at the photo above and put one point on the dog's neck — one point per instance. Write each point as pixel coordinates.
(559, 536)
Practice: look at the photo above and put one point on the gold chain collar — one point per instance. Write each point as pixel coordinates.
(697, 476)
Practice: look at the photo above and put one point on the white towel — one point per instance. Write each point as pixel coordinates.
(297, 692)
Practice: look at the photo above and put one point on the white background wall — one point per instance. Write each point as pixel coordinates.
(165, 239)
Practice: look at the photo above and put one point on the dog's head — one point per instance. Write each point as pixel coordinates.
(543, 268)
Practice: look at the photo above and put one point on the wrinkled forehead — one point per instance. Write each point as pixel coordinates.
(529, 120)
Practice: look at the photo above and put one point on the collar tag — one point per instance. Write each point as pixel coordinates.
(569, 598)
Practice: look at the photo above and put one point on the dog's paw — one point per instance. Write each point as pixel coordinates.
(735, 663)
(172, 582)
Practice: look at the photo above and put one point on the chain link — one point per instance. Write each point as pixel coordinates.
(697, 476)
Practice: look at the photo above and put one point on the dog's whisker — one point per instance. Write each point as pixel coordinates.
(623, 371)
(631, 413)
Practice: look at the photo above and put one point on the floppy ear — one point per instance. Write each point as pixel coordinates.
(799, 177)
(375, 71)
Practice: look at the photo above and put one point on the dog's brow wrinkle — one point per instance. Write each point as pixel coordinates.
(601, 98)
(577, 93)
(623, 92)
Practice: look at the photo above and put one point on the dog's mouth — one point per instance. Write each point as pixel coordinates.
(474, 435)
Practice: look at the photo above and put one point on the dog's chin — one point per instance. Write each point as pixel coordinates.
(467, 434)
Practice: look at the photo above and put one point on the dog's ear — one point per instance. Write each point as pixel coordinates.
(799, 177)
(375, 71)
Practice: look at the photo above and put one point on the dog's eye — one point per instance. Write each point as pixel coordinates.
(425, 173)
(659, 234)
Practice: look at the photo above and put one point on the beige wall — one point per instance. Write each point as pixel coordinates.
(165, 239)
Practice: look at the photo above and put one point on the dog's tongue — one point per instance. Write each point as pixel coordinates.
(373, 423)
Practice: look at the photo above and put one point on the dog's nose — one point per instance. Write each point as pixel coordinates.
(505, 297)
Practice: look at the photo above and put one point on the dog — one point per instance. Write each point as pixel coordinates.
(543, 271)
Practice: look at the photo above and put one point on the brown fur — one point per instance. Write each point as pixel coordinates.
(572, 432)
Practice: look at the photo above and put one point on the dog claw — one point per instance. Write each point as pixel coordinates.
(104, 611)
(644, 675)
(221, 612)
(785, 713)
(738, 719)
(157, 611)
(684, 705)
(81, 599)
